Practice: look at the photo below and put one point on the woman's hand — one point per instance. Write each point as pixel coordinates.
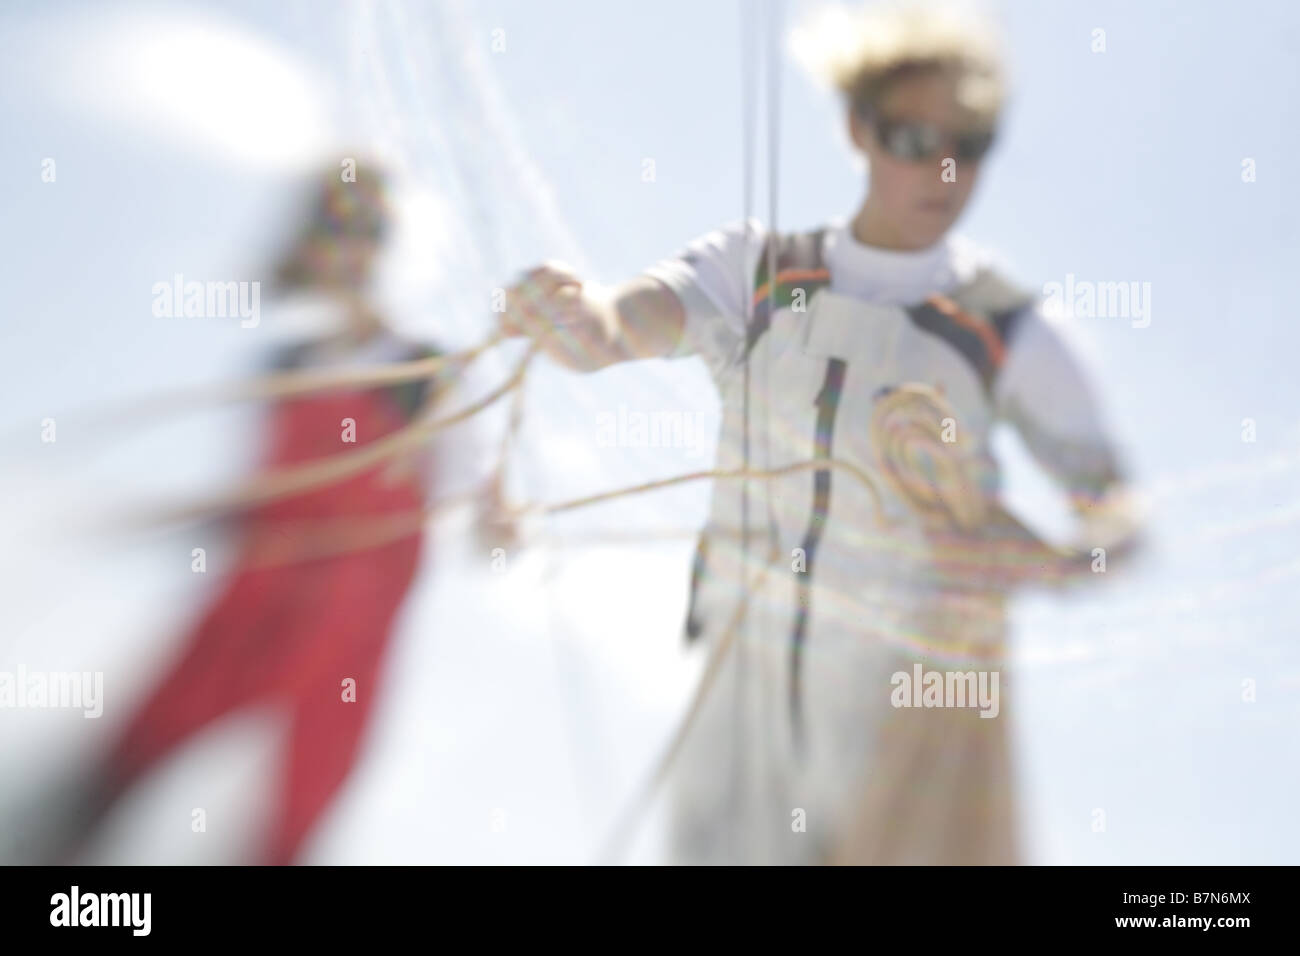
(575, 327)
(586, 328)
(1002, 554)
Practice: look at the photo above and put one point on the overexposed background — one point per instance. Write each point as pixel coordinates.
(522, 707)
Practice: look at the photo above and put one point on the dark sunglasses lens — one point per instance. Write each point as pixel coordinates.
(972, 146)
(911, 141)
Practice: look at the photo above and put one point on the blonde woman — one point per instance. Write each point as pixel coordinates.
(862, 716)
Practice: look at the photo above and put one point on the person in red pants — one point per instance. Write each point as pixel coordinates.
(304, 620)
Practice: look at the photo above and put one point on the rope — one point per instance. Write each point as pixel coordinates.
(907, 442)
(301, 478)
(911, 459)
(749, 85)
(300, 382)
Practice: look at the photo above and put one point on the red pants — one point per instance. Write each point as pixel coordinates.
(288, 636)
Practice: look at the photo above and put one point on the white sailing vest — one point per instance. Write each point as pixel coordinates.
(844, 602)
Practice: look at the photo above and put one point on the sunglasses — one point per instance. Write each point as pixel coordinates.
(916, 142)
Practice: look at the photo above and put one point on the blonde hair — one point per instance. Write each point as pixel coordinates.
(864, 52)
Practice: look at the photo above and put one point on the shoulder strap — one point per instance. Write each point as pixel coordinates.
(411, 396)
(800, 267)
(289, 356)
(978, 319)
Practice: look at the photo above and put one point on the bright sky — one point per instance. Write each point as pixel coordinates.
(178, 131)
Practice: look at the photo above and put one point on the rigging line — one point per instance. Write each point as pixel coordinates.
(859, 474)
(773, 231)
(286, 384)
(727, 474)
(749, 108)
(624, 830)
(374, 537)
(885, 442)
(342, 535)
(304, 381)
(628, 819)
(292, 541)
(300, 478)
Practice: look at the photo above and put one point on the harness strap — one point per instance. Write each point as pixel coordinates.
(828, 403)
(800, 269)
